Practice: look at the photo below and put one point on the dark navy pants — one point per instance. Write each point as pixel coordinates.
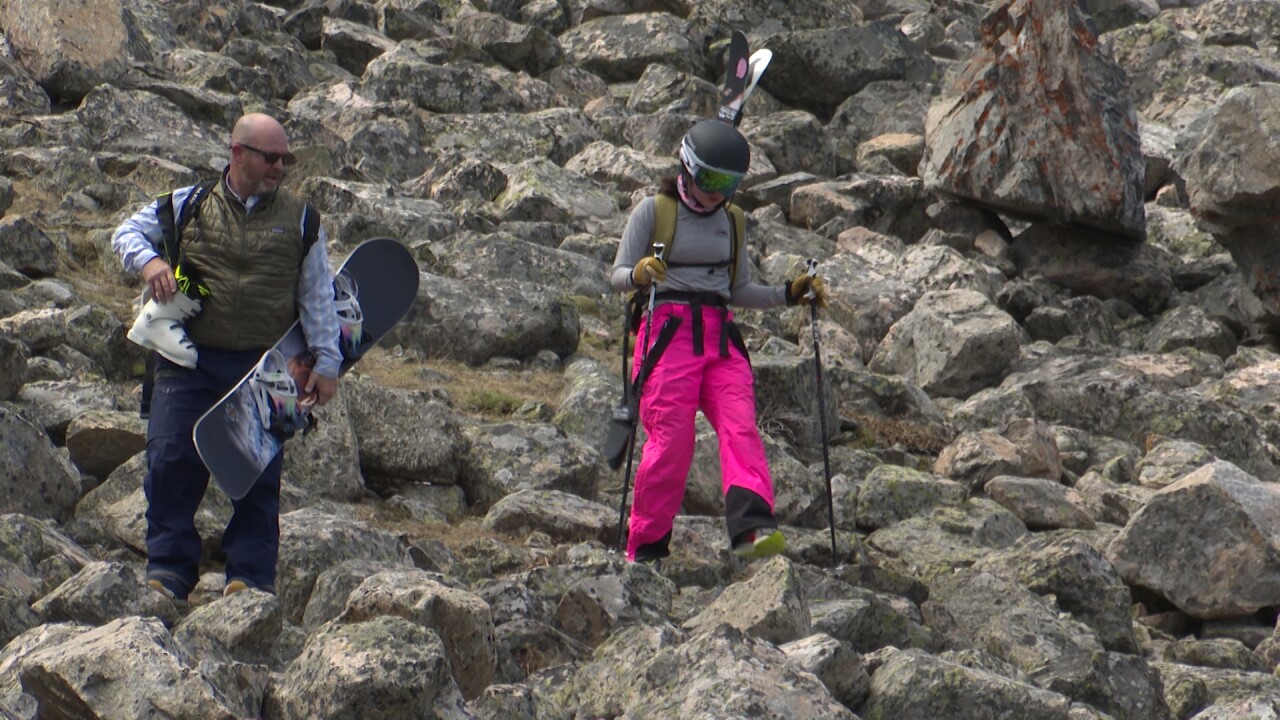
(177, 479)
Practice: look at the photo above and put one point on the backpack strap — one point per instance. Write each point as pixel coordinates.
(173, 223)
(310, 228)
(664, 222)
(738, 232)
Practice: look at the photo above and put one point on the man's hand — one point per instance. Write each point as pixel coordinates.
(321, 387)
(159, 278)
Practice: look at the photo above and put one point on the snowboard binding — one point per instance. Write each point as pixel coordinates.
(276, 396)
(352, 339)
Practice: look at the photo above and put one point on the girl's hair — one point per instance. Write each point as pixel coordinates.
(667, 186)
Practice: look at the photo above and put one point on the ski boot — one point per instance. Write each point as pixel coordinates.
(159, 327)
(276, 395)
(352, 340)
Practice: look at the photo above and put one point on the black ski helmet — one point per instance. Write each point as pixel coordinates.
(716, 145)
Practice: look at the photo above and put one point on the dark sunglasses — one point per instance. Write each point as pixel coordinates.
(269, 157)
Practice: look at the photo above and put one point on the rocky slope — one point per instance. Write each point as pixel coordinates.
(1050, 360)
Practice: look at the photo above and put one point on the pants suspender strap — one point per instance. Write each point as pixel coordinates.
(724, 332)
(695, 309)
(665, 334)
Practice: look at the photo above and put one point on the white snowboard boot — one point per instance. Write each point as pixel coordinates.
(159, 328)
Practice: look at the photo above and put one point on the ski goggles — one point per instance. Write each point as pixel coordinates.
(710, 180)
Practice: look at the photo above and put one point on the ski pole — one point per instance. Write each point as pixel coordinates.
(658, 249)
(812, 272)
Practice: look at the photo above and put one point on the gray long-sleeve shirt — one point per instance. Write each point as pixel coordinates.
(702, 240)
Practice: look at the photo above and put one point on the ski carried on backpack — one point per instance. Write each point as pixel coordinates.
(756, 66)
(244, 431)
(737, 68)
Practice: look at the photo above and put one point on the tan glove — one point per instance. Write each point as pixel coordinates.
(650, 269)
(798, 291)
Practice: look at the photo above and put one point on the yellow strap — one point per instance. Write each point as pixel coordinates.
(738, 228)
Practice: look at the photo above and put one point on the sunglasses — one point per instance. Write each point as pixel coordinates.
(709, 180)
(271, 158)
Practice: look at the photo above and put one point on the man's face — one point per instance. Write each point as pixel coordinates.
(261, 163)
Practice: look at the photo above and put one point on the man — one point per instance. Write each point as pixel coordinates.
(247, 251)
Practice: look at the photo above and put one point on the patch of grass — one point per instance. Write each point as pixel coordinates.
(485, 394)
(490, 402)
(456, 536)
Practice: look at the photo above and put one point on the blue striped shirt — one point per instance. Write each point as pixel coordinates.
(138, 240)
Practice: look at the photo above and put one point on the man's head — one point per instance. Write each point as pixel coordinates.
(259, 153)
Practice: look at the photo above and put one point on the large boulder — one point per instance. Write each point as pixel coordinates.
(1224, 568)
(1040, 122)
(68, 46)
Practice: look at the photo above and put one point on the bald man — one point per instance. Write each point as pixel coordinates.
(246, 269)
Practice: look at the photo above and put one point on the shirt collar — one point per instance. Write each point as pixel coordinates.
(250, 202)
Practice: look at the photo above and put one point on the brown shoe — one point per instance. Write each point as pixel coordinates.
(234, 587)
(159, 587)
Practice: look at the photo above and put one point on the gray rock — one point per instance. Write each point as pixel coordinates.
(818, 69)
(386, 667)
(564, 517)
(1040, 504)
(84, 48)
(38, 478)
(951, 343)
(837, 665)
(26, 248)
(243, 627)
(500, 255)
(435, 453)
(13, 367)
(312, 541)
(99, 442)
(460, 619)
(511, 320)
(127, 667)
(619, 47)
(647, 672)
(869, 621)
(592, 609)
(770, 605)
(890, 494)
(912, 685)
(521, 48)
(1079, 578)
(507, 457)
(101, 592)
(1199, 578)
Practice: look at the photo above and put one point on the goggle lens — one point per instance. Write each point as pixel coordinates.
(716, 181)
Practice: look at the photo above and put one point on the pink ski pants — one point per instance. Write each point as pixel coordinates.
(681, 384)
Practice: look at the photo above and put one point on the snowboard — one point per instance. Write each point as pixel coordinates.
(244, 431)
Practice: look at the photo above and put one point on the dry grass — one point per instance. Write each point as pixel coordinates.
(486, 394)
(456, 536)
(890, 432)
